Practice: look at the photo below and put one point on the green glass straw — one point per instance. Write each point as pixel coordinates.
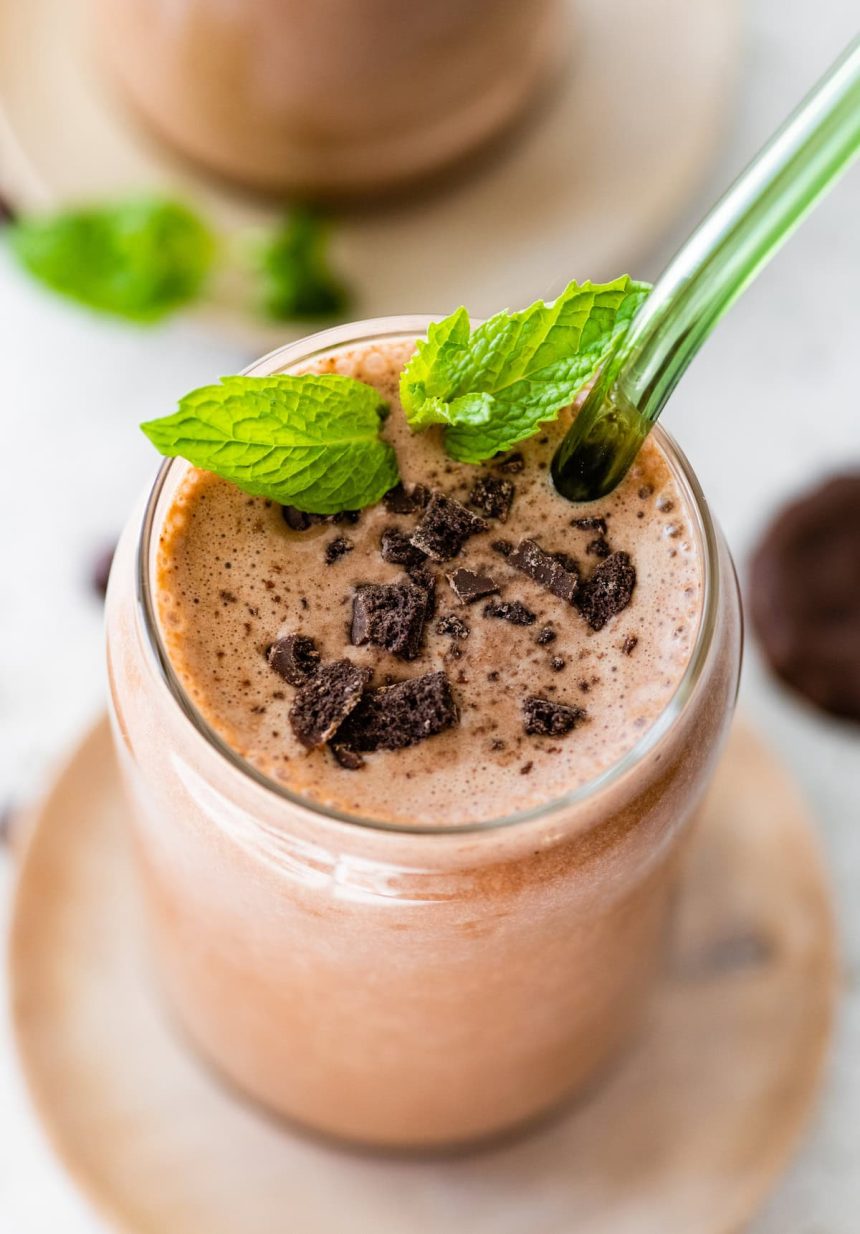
(725, 253)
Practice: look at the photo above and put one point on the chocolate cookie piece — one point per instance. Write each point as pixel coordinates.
(390, 615)
(503, 547)
(452, 626)
(470, 585)
(589, 524)
(512, 463)
(607, 591)
(396, 547)
(544, 718)
(804, 595)
(510, 610)
(492, 496)
(294, 657)
(337, 548)
(546, 570)
(325, 701)
(444, 528)
(546, 635)
(348, 758)
(298, 520)
(598, 547)
(397, 716)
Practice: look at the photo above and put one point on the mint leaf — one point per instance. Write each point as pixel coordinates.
(310, 441)
(494, 386)
(297, 281)
(137, 259)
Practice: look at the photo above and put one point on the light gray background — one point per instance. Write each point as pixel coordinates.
(772, 404)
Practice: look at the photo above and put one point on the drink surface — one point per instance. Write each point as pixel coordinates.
(233, 577)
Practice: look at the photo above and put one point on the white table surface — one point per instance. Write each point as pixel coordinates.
(771, 405)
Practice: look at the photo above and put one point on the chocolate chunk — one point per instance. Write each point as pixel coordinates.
(492, 497)
(337, 548)
(324, 702)
(545, 569)
(390, 615)
(510, 610)
(348, 758)
(629, 644)
(557, 663)
(294, 657)
(544, 718)
(396, 547)
(444, 528)
(397, 716)
(598, 547)
(398, 501)
(100, 570)
(546, 635)
(590, 524)
(469, 586)
(570, 563)
(608, 591)
(453, 626)
(298, 520)
(513, 463)
(804, 595)
(503, 547)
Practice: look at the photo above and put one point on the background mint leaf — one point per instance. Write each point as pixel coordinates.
(496, 385)
(297, 280)
(310, 441)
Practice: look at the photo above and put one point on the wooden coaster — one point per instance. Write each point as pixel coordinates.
(687, 1135)
(586, 186)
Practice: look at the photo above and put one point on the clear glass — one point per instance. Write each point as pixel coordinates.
(396, 985)
(333, 97)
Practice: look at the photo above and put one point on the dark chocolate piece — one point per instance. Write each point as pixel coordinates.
(444, 528)
(804, 595)
(398, 501)
(453, 626)
(348, 758)
(546, 635)
(299, 520)
(325, 701)
(294, 657)
(396, 547)
(545, 569)
(512, 464)
(397, 716)
(590, 524)
(492, 497)
(607, 591)
(337, 548)
(557, 663)
(544, 718)
(469, 585)
(100, 570)
(503, 547)
(629, 644)
(510, 610)
(598, 547)
(390, 615)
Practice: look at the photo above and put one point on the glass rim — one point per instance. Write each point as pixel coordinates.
(388, 329)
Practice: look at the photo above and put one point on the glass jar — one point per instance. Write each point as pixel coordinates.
(332, 96)
(399, 985)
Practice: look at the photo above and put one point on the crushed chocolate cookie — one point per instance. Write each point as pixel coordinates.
(398, 501)
(444, 528)
(503, 547)
(397, 716)
(545, 570)
(396, 547)
(557, 663)
(348, 758)
(564, 559)
(325, 701)
(510, 610)
(492, 497)
(299, 520)
(452, 626)
(599, 547)
(629, 644)
(544, 718)
(512, 463)
(607, 591)
(294, 657)
(390, 615)
(469, 585)
(337, 548)
(590, 524)
(546, 635)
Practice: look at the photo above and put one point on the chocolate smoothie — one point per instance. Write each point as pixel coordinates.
(235, 578)
(411, 789)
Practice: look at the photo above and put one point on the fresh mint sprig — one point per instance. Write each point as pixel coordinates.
(494, 386)
(139, 259)
(298, 283)
(310, 441)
